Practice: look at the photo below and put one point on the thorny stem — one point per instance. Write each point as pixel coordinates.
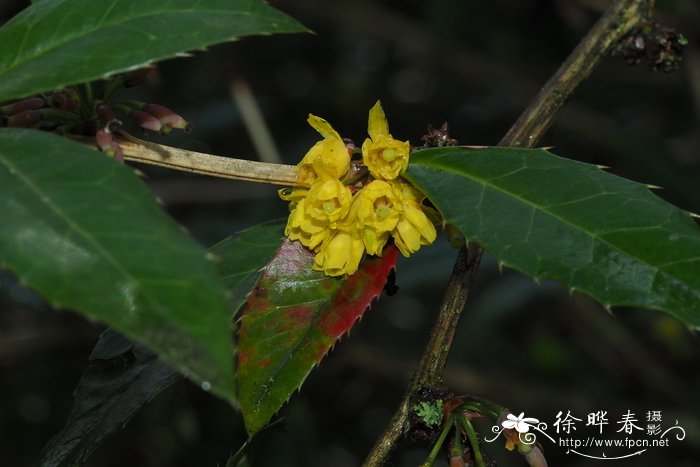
(620, 18)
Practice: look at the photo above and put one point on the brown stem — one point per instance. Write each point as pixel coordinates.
(145, 152)
(620, 17)
(207, 164)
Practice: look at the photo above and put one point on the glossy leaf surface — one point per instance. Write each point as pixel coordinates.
(81, 40)
(123, 375)
(85, 233)
(241, 257)
(292, 319)
(555, 218)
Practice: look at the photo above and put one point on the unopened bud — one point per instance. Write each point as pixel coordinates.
(107, 145)
(524, 448)
(167, 117)
(62, 101)
(118, 153)
(32, 103)
(108, 118)
(454, 236)
(24, 119)
(104, 140)
(146, 120)
(535, 458)
(350, 145)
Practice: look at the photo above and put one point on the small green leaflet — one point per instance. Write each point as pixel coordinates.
(551, 217)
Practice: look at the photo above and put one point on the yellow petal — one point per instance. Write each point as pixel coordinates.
(406, 237)
(323, 127)
(292, 194)
(339, 254)
(377, 125)
(374, 241)
(385, 157)
(415, 215)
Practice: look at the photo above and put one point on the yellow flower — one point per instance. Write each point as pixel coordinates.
(340, 253)
(338, 226)
(329, 201)
(384, 156)
(413, 228)
(325, 204)
(329, 158)
(375, 209)
(302, 227)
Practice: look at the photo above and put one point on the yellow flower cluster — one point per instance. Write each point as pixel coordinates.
(340, 221)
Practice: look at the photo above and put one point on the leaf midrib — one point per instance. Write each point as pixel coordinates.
(20, 174)
(657, 270)
(101, 26)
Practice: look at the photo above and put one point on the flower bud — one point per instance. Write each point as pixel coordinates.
(167, 117)
(104, 140)
(535, 458)
(60, 100)
(107, 145)
(33, 103)
(454, 236)
(146, 120)
(25, 119)
(108, 118)
(118, 153)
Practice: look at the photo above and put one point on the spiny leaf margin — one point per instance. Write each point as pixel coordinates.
(555, 218)
(82, 41)
(292, 319)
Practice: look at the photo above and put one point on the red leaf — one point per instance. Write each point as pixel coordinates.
(292, 319)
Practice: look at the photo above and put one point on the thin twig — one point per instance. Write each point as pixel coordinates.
(621, 16)
(207, 164)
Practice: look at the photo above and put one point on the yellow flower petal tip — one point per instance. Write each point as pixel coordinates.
(328, 158)
(323, 127)
(385, 157)
(377, 125)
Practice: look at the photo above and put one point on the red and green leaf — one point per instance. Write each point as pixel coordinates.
(292, 319)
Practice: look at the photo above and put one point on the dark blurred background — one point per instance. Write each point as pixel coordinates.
(533, 348)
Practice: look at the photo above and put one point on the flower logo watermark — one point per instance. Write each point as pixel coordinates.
(521, 425)
(631, 439)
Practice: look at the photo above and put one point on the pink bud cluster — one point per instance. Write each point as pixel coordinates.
(155, 117)
(89, 109)
(23, 114)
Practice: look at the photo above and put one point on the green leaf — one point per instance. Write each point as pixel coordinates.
(85, 233)
(81, 41)
(240, 258)
(123, 376)
(555, 218)
(292, 319)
